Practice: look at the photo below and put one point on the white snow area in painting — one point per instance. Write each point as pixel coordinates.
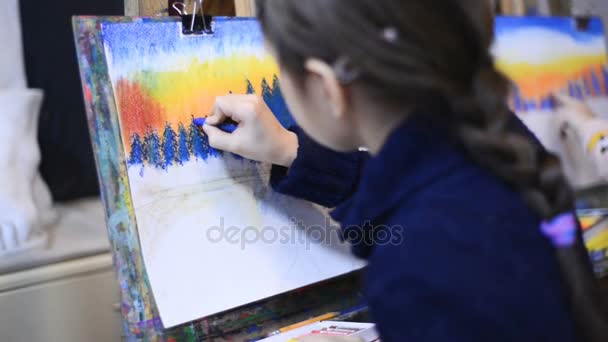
(215, 236)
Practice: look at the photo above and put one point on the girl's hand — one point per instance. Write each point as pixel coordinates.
(259, 135)
(574, 107)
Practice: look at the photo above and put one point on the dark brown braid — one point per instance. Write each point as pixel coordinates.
(513, 157)
(442, 49)
(538, 176)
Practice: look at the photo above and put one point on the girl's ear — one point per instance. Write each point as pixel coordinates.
(331, 86)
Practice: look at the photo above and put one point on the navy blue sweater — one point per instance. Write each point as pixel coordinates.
(454, 253)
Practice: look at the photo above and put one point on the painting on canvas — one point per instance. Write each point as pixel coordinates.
(214, 235)
(560, 90)
(558, 67)
(547, 55)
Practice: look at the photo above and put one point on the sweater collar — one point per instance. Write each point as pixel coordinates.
(415, 155)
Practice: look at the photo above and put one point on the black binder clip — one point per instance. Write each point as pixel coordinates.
(196, 23)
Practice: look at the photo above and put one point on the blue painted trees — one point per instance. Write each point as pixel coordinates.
(273, 97)
(278, 105)
(137, 152)
(152, 149)
(250, 89)
(199, 144)
(169, 147)
(189, 141)
(183, 148)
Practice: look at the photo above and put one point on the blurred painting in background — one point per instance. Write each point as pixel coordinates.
(558, 67)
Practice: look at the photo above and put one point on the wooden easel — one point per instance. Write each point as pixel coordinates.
(246, 8)
(141, 319)
(543, 7)
(240, 8)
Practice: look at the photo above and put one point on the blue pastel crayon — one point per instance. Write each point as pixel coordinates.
(227, 127)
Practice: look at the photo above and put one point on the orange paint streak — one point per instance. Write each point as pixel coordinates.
(588, 83)
(539, 85)
(601, 79)
(138, 110)
(193, 90)
(536, 86)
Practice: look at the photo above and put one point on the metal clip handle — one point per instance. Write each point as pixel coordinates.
(196, 23)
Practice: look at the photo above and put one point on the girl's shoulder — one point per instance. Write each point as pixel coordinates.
(466, 264)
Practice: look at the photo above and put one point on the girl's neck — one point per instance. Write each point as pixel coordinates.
(375, 129)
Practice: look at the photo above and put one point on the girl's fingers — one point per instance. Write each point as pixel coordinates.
(218, 114)
(216, 118)
(218, 139)
(259, 135)
(565, 100)
(236, 107)
(573, 104)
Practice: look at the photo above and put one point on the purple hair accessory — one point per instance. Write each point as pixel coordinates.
(561, 230)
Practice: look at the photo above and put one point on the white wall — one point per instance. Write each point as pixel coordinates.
(69, 302)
